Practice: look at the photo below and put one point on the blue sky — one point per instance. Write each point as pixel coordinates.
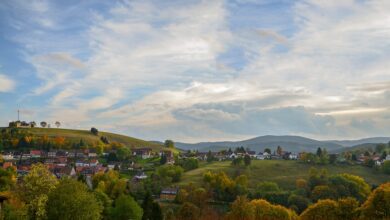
(199, 70)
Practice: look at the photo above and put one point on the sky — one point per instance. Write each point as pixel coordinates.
(199, 70)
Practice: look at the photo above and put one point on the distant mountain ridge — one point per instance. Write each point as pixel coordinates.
(287, 142)
(371, 140)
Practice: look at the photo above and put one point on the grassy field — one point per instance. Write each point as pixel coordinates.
(75, 135)
(283, 172)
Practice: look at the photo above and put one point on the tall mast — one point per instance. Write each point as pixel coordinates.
(18, 115)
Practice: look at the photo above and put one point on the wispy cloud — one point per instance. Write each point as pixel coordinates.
(153, 68)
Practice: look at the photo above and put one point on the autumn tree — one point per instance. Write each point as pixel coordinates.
(72, 200)
(59, 141)
(36, 186)
(377, 206)
(241, 209)
(188, 211)
(323, 209)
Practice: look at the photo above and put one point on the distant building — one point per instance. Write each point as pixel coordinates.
(144, 153)
(168, 194)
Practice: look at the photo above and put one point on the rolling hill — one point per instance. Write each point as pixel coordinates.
(289, 143)
(73, 135)
(351, 143)
(283, 172)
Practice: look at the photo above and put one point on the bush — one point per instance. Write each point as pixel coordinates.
(377, 206)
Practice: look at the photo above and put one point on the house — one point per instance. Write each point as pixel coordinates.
(251, 153)
(92, 153)
(261, 156)
(7, 165)
(233, 155)
(21, 124)
(52, 154)
(168, 194)
(26, 156)
(293, 156)
(35, 153)
(8, 156)
(144, 153)
(140, 176)
(387, 157)
(169, 155)
(93, 162)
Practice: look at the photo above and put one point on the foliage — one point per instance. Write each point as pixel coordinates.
(110, 183)
(189, 164)
(377, 206)
(7, 179)
(241, 208)
(163, 159)
(151, 209)
(123, 153)
(223, 187)
(322, 192)
(323, 209)
(247, 160)
(126, 208)
(170, 173)
(386, 167)
(331, 209)
(188, 211)
(94, 131)
(299, 203)
(347, 185)
(169, 144)
(71, 200)
(237, 161)
(35, 189)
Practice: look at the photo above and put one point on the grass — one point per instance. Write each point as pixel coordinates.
(74, 135)
(283, 172)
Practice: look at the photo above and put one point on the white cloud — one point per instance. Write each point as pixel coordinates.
(6, 84)
(159, 66)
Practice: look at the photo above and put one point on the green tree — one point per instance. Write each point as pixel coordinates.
(247, 160)
(36, 186)
(152, 210)
(123, 153)
(267, 150)
(126, 208)
(169, 144)
(319, 152)
(163, 159)
(72, 200)
(94, 131)
(300, 202)
(386, 167)
(379, 148)
(43, 124)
